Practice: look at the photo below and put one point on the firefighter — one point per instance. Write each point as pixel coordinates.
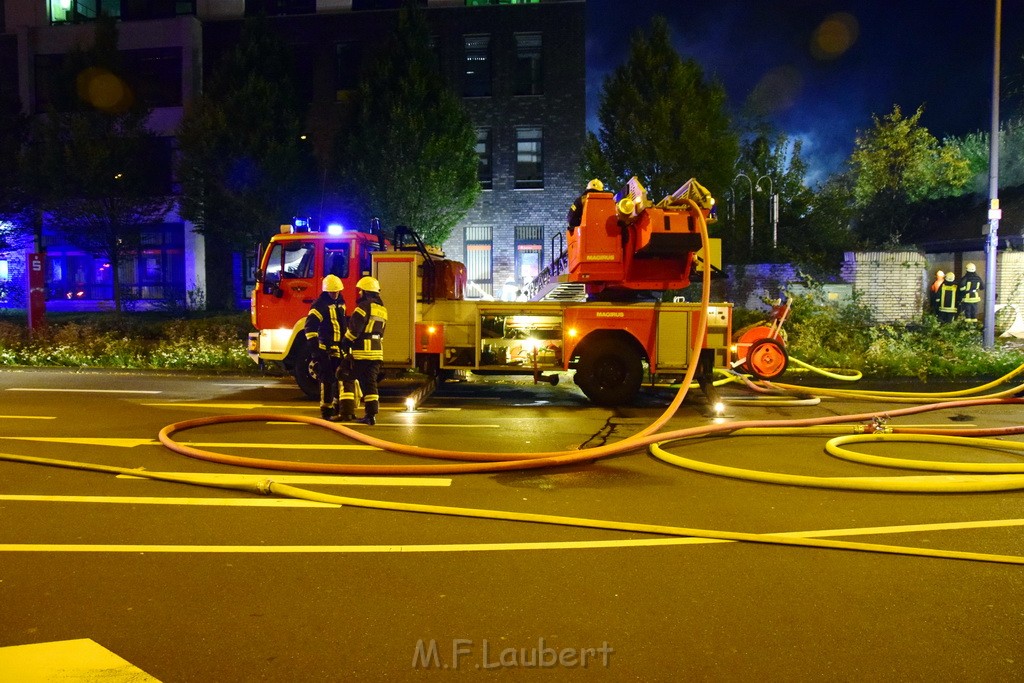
(970, 290)
(325, 329)
(947, 299)
(575, 215)
(364, 338)
(933, 290)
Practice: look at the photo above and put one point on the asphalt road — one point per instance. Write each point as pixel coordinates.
(188, 583)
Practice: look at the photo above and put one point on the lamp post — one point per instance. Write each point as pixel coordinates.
(751, 186)
(773, 207)
(988, 333)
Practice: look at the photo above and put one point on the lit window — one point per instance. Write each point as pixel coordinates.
(479, 249)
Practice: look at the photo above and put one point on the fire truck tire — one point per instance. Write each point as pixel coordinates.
(609, 372)
(302, 371)
(766, 359)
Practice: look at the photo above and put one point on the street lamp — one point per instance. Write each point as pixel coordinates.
(773, 208)
(751, 186)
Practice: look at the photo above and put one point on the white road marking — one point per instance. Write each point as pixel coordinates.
(306, 479)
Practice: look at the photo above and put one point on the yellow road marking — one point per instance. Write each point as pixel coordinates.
(68, 660)
(87, 441)
(322, 479)
(477, 547)
(154, 500)
(88, 391)
(28, 417)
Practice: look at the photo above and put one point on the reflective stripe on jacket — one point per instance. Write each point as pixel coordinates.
(366, 328)
(947, 298)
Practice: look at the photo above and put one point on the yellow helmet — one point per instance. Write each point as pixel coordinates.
(368, 284)
(971, 268)
(333, 283)
(950, 276)
(596, 185)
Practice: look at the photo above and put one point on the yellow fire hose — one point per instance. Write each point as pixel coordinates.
(486, 461)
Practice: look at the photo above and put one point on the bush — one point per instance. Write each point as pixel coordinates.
(843, 336)
(133, 341)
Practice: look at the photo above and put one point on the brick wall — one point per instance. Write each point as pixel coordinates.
(892, 283)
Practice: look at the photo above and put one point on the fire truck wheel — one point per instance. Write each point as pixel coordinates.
(609, 372)
(302, 370)
(766, 359)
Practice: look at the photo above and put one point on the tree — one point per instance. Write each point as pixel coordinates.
(896, 163)
(774, 164)
(662, 121)
(92, 167)
(974, 147)
(410, 156)
(15, 202)
(243, 166)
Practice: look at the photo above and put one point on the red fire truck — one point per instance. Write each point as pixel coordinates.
(623, 246)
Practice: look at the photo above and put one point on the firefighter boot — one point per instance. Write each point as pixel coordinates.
(326, 411)
(368, 420)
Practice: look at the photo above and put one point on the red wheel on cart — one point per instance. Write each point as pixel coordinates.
(766, 359)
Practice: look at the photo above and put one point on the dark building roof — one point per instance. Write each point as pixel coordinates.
(960, 223)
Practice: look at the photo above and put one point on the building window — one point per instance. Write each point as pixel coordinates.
(479, 273)
(529, 253)
(529, 159)
(529, 77)
(483, 152)
(477, 66)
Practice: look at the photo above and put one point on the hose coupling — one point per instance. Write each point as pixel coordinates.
(879, 425)
(263, 486)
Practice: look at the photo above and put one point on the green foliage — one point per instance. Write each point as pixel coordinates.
(131, 342)
(411, 151)
(843, 336)
(897, 163)
(243, 166)
(974, 147)
(662, 121)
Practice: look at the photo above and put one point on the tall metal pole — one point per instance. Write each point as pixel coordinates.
(750, 184)
(994, 212)
(773, 208)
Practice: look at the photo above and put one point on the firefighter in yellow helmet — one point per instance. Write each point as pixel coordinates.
(947, 298)
(971, 287)
(325, 328)
(575, 215)
(364, 338)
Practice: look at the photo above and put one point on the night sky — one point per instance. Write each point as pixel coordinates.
(821, 68)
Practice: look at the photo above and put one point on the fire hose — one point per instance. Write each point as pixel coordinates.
(482, 461)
